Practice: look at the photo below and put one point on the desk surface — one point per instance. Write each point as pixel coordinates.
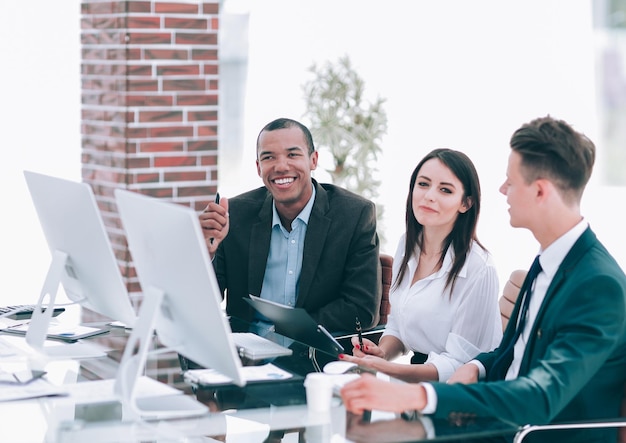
(254, 413)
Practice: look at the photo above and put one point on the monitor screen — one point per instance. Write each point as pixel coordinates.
(80, 247)
(172, 263)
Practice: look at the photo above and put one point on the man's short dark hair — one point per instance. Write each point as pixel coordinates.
(553, 150)
(284, 123)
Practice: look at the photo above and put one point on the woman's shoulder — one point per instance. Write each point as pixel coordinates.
(481, 270)
(479, 258)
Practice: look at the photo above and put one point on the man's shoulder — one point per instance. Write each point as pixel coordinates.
(589, 264)
(601, 261)
(245, 206)
(257, 195)
(338, 195)
(594, 256)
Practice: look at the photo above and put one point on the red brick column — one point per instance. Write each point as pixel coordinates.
(149, 105)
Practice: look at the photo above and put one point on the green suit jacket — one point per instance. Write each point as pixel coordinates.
(341, 274)
(574, 366)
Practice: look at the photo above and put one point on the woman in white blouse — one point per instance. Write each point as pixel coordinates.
(444, 296)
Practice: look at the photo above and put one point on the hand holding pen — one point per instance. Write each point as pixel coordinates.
(217, 202)
(214, 222)
(362, 347)
(359, 332)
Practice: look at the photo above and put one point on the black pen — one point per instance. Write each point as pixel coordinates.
(358, 331)
(217, 201)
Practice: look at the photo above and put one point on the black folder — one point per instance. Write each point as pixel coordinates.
(297, 324)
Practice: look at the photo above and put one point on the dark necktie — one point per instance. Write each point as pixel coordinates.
(501, 365)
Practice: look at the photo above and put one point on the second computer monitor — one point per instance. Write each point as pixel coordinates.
(172, 262)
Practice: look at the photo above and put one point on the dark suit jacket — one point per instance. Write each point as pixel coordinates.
(574, 366)
(341, 275)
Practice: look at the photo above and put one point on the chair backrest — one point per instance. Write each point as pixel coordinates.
(622, 431)
(509, 295)
(386, 262)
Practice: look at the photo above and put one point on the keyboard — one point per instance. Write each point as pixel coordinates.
(255, 347)
(22, 312)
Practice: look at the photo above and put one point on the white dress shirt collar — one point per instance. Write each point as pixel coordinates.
(552, 257)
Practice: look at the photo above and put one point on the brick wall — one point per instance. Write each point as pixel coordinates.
(149, 113)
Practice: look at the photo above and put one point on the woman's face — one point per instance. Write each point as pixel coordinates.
(437, 196)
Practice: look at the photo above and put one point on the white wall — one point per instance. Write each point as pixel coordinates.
(40, 127)
(455, 73)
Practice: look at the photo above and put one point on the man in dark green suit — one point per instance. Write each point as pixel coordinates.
(296, 241)
(568, 362)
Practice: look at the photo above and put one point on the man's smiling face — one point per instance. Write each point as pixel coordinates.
(284, 164)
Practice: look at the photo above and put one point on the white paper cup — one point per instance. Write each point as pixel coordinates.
(319, 391)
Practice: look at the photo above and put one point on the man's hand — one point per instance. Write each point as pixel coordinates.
(369, 392)
(466, 374)
(215, 224)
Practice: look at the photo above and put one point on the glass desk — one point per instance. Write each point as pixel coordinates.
(259, 412)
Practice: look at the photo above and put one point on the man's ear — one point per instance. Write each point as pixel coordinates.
(543, 188)
(313, 160)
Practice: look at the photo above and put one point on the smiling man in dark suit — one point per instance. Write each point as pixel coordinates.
(567, 360)
(296, 241)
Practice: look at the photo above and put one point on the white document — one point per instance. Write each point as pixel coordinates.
(210, 377)
(35, 389)
(57, 331)
(11, 388)
(14, 347)
(99, 391)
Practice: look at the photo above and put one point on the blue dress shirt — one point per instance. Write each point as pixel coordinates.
(284, 262)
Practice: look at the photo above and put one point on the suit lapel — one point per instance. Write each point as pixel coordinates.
(260, 236)
(567, 267)
(563, 273)
(316, 234)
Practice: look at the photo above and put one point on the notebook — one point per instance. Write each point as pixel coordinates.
(255, 347)
(262, 373)
(297, 324)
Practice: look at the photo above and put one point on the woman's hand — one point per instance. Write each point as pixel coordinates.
(367, 361)
(369, 348)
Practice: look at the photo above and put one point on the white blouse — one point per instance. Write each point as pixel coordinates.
(451, 330)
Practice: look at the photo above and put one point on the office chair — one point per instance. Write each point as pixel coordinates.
(374, 334)
(509, 295)
(386, 263)
(614, 423)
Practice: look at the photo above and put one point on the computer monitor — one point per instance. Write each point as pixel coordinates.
(182, 300)
(82, 258)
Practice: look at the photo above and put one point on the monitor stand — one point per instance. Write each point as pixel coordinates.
(133, 364)
(40, 320)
